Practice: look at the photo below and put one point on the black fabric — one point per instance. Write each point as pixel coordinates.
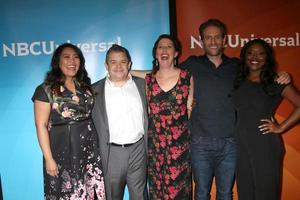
(73, 143)
(40, 94)
(260, 155)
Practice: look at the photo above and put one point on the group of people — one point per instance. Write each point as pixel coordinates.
(209, 116)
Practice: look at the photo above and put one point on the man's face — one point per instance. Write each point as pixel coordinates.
(118, 66)
(213, 41)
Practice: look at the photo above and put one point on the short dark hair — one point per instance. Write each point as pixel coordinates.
(213, 22)
(118, 48)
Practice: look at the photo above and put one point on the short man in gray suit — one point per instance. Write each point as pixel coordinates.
(120, 117)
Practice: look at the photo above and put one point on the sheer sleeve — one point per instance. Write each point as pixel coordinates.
(277, 89)
(40, 94)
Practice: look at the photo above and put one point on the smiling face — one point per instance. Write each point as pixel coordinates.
(256, 58)
(117, 66)
(213, 41)
(165, 52)
(69, 62)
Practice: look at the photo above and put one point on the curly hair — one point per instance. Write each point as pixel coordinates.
(268, 73)
(55, 78)
(176, 45)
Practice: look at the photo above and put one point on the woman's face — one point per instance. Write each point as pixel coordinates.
(256, 57)
(165, 51)
(69, 62)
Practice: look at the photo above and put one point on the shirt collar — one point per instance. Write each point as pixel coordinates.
(223, 56)
(112, 84)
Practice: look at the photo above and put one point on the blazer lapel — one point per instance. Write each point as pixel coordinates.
(140, 83)
(142, 92)
(101, 106)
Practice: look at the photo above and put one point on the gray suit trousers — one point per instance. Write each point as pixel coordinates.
(127, 166)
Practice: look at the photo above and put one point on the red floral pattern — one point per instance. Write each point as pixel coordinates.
(169, 168)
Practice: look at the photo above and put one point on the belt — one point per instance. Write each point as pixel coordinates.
(124, 145)
(71, 122)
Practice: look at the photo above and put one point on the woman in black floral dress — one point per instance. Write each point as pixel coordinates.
(62, 108)
(170, 95)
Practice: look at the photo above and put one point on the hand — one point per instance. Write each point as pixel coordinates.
(191, 103)
(283, 78)
(269, 126)
(51, 167)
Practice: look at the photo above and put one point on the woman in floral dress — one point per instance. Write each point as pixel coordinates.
(170, 95)
(67, 137)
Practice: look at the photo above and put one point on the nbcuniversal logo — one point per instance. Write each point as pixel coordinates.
(37, 48)
(236, 41)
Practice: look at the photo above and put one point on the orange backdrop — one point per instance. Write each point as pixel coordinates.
(276, 21)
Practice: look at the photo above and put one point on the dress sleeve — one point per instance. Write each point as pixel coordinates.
(40, 94)
(277, 88)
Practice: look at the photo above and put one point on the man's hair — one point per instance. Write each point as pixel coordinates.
(117, 48)
(212, 22)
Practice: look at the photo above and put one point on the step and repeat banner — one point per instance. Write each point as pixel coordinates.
(30, 32)
(277, 22)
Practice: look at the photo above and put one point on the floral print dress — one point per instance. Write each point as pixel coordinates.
(169, 170)
(74, 146)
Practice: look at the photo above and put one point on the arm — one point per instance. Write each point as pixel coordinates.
(140, 73)
(190, 99)
(41, 116)
(186, 64)
(293, 96)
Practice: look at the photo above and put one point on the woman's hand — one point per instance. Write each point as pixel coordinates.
(51, 167)
(269, 126)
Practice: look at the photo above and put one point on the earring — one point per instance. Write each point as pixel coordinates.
(175, 61)
(156, 62)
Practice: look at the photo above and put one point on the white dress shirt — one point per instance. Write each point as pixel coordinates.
(124, 111)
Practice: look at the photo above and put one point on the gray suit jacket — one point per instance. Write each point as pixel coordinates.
(101, 121)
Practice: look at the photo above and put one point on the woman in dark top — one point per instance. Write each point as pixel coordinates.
(67, 137)
(256, 98)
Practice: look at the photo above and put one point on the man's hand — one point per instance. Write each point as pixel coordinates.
(283, 78)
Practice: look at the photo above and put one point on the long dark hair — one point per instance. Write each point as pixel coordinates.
(268, 73)
(55, 78)
(176, 45)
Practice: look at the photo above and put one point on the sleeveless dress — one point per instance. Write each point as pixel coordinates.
(74, 146)
(169, 168)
